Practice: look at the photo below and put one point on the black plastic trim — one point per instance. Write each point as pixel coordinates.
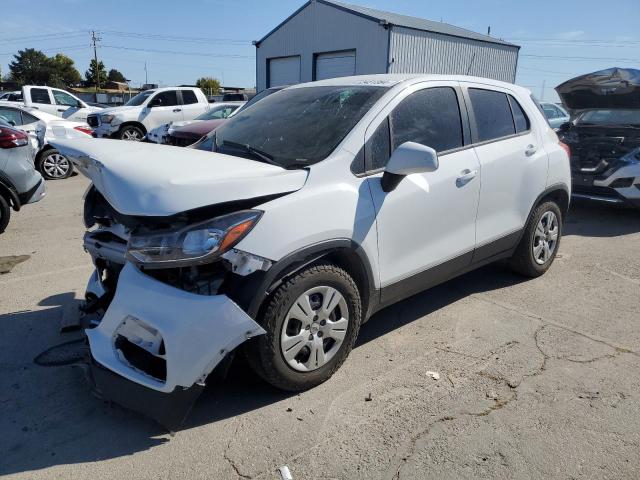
(10, 192)
(24, 197)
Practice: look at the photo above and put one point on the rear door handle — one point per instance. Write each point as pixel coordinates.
(177, 109)
(531, 149)
(465, 177)
(61, 110)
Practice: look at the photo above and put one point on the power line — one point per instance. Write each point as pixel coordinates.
(559, 57)
(45, 36)
(176, 38)
(55, 49)
(173, 52)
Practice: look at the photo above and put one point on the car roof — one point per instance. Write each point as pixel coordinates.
(393, 79)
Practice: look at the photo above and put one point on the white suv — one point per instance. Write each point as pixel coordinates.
(301, 216)
(149, 110)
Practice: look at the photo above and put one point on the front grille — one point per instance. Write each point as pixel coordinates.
(93, 121)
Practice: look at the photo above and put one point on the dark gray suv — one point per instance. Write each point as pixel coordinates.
(20, 183)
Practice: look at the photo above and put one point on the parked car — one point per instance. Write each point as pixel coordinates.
(45, 127)
(605, 135)
(149, 110)
(217, 111)
(55, 102)
(301, 217)
(182, 136)
(15, 96)
(555, 114)
(20, 183)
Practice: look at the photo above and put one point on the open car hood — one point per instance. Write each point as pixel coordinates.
(611, 88)
(145, 179)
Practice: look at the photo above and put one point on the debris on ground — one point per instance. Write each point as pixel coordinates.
(285, 473)
(434, 375)
(368, 398)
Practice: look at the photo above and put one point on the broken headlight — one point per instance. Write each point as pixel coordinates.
(195, 244)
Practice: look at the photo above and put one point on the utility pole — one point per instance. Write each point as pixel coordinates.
(146, 79)
(94, 40)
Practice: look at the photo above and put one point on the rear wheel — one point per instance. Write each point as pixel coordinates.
(312, 321)
(5, 214)
(131, 133)
(53, 165)
(540, 242)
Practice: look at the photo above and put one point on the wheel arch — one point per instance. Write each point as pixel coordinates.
(9, 192)
(133, 123)
(559, 193)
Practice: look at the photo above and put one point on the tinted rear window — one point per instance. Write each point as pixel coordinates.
(40, 95)
(492, 114)
(519, 117)
(189, 97)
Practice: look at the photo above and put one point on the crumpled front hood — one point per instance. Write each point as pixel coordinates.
(611, 88)
(145, 179)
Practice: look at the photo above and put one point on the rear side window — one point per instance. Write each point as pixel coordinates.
(520, 118)
(492, 114)
(40, 95)
(27, 118)
(189, 97)
(11, 115)
(165, 99)
(430, 117)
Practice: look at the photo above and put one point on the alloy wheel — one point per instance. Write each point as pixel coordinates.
(131, 135)
(314, 328)
(56, 165)
(545, 238)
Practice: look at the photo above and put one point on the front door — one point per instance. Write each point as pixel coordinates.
(426, 224)
(165, 108)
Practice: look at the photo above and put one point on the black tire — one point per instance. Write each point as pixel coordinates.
(523, 261)
(264, 353)
(129, 132)
(5, 214)
(54, 156)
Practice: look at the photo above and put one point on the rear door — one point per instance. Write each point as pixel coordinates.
(191, 107)
(40, 98)
(513, 164)
(283, 71)
(335, 64)
(163, 108)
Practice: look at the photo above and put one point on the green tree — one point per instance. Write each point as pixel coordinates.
(30, 66)
(65, 69)
(96, 73)
(209, 85)
(116, 76)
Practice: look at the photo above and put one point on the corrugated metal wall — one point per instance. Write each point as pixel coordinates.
(320, 28)
(414, 51)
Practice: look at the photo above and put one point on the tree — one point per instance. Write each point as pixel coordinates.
(65, 69)
(30, 66)
(96, 73)
(116, 76)
(210, 85)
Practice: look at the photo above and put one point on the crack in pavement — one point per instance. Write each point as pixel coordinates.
(225, 455)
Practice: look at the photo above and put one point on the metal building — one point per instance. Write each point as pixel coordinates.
(325, 39)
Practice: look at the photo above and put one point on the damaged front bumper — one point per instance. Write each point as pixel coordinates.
(156, 344)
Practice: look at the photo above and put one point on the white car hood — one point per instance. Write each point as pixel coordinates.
(145, 179)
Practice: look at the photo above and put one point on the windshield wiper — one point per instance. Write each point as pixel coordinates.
(259, 154)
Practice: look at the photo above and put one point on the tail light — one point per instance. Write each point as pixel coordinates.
(566, 148)
(12, 138)
(84, 129)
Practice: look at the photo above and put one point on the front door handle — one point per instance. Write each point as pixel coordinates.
(177, 109)
(531, 149)
(61, 110)
(465, 177)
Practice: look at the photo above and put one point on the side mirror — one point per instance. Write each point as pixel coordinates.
(12, 123)
(408, 158)
(150, 104)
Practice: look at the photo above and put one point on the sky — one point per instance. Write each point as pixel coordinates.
(181, 41)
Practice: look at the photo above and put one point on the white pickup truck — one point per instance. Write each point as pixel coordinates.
(55, 102)
(147, 111)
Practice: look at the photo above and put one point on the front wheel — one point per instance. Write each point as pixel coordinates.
(131, 133)
(312, 321)
(540, 242)
(53, 165)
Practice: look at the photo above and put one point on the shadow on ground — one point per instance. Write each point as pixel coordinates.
(589, 219)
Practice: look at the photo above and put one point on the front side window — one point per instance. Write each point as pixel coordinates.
(430, 117)
(189, 97)
(492, 114)
(63, 98)
(40, 95)
(297, 127)
(165, 99)
(378, 147)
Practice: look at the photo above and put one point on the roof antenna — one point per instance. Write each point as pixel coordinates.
(489, 31)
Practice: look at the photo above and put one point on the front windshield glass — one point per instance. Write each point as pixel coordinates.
(295, 127)
(612, 117)
(140, 98)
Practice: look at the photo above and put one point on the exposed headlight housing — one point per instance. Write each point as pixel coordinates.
(196, 244)
(107, 118)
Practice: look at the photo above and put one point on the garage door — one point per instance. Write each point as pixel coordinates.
(284, 71)
(335, 64)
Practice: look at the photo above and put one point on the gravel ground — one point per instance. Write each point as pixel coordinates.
(538, 379)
